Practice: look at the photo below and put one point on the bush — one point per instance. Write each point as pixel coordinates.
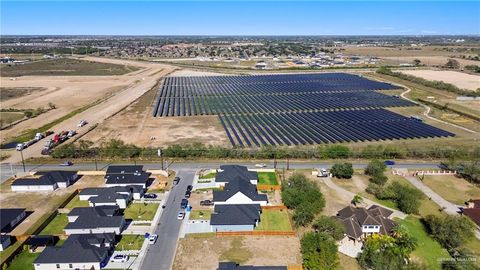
(338, 151)
(375, 167)
(331, 226)
(342, 170)
(406, 198)
(319, 252)
(379, 179)
(450, 231)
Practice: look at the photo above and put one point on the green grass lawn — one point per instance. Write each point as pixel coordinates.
(267, 178)
(428, 250)
(130, 242)
(75, 202)
(140, 211)
(208, 176)
(23, 261)
(201, 214)
(274, 220)
(56, 225)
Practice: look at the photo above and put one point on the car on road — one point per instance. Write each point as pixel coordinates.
(187, 194)
(206, 203)
(181, 215)
(82, 123)
(176, 180)
(389, 162)
(152, 239)
(260, 165)
(150, 196)
(189, 188)
(66, 163)
(184, 203)
(20, 147)
(119, 258)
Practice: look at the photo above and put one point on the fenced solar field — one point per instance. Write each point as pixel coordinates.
(293, 109)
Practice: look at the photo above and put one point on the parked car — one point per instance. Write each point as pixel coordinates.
(189, 188)
(176, 180)
(152, 239)
(82, 123)
(187, 194)
(67, 163)
(120, 258)
(20, 147)
(150, 196)
(71, 133)
(184, 203)
(322, 173)
(389, 162)
(181, 215)
(206, 203)
(261, 165)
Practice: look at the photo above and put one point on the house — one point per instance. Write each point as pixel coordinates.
(237, 217)
(100, 219)
(117, 195)
(473, 211)
(235, 266)
(45, 181)
(81, 251)
(126, 175)
(229, 172)
(5, 241)
(10, 217)
(238, 191)
(360, 222)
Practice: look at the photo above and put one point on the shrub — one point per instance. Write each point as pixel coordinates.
(330, 226)
(342, 170)
(375, 167)
(450, 231)
(319, 252)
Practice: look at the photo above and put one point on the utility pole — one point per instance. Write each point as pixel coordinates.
(159, 153)
(23, 161)
(96, 166)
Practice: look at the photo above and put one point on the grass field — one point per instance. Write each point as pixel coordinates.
(452, 188)
(23, 261)
(56, 225)
(236, 253)
(10, 117)
(130, 242)
(428, 250)
(274, 220)
(208, 176)
(200, 214)
(140, 211)
(75, 202)
(7, 93)
(267, 178)
(65, 66)
(348, 263)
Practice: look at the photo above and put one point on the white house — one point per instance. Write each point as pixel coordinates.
(228, 173)
(237, 217)
(102, 219)
(117, 195)
(44, 181)
(239, 192)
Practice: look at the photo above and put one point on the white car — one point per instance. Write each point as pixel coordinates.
(20, 147)
(119, 258)
(261, 165)
(152, 239)
(181, 215)
(82, 123)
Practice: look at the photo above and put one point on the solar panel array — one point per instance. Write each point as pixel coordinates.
(293, 109)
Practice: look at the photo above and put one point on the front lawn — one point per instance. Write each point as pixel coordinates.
(274, 220)
(23, 261)
(208, 175)
(200, 214)
(428, 250)
(130, 242)
(267, 178)
(55, 226)
(75, 202)
(141, 211)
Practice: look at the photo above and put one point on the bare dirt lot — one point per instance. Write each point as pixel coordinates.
(260, 251)
(459, 79)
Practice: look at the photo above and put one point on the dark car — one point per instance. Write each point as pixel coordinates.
(176, 180)
(206, 203)
(187, 194)
(189, 188)
(150, 196)
(389, 162)
(184, 203)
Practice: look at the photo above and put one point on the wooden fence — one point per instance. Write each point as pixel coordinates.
(268, 187)
(294, 267)
(274, 207)
(257, 233)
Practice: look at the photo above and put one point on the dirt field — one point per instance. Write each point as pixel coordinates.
(245, 250)
(7, 93)
(461, 80)
(41, 203)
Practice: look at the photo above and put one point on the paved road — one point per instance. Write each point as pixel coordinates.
(7, 170)
(160, 256)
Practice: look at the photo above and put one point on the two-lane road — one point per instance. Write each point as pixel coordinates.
(160, 256)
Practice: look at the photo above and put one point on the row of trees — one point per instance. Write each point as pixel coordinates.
(433, 84)
(469, 170)
(197, 150)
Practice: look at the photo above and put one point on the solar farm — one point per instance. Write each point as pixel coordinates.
(293, 109)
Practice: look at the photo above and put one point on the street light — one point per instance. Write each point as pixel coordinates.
(23, 161)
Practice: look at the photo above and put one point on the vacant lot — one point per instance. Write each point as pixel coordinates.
(7, 93)
(246, 250)
(267, 178)
(10, 117)
(274, 220)
(141, 211)
(459, 79)
(65, 66)
(451, 188)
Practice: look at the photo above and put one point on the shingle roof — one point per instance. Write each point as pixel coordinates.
(46, 178)
(104, 210)
(354, 218)
(236, 214)
(378, 210)
(95, 217)
(234, 266)
(140, 178)
(58, 176)
(233, 187)
(7, 215)
(124, 169)
(228, 172)
(473, 213)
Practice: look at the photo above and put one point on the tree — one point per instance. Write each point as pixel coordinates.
(379, 179)
(452, 64)
(330, 226)
(407, 198)
(338, 151)
(319, 252)
(450, 231)
(417, 62)
(342, 170)
(357, 199)
(375, 167)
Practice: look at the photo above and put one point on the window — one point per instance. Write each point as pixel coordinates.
(70, 266)
(370, 227)
(58, 266)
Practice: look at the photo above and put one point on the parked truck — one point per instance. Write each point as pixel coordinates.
(38, 136)
(56, 140)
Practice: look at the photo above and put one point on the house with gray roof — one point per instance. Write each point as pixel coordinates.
(236, 217)
(228, 173)
(239, 192)
(10, 218)
(117, 195)
(45, 181)
(80, 251)
(100, 219)
(126, 175)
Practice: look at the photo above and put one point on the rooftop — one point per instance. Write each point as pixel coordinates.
(236, 214)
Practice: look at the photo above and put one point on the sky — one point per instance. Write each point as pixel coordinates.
(239, 18)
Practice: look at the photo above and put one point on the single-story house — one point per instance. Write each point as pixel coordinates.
(239, 192)
(100, 219)
(117, 195)
(229, 172)
(236, 217)
(45, 181)
(124, 169)
(135, 179)
(81, 251)
(10, 217)
(235, 266)
(5, 241)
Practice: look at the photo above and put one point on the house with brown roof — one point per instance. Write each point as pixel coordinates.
(473, 211)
